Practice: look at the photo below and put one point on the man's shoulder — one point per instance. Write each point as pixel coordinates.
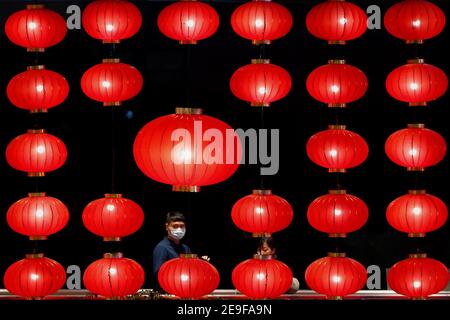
(162, 244)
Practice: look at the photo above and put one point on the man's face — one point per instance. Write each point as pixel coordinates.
(175, 225)
(266, 250)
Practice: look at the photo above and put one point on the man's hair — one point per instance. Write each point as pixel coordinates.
(174, 216)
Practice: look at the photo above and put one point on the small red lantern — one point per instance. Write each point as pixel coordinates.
(416, 147)
(111, 20)
(336, 21)
(261, 21)
(414, 20)
(336, 276)
(417, 83)
(113, 217)
(262, 213)
(112, 82)
(36, 28)
(262, 277)
(337, 83)
(114, 276)
(188, 277)
(36, 153)
(337, 149)
(418, 277)
(34, 277)
(37, 89)
(260, 83)
(337, 213)
(188, 21)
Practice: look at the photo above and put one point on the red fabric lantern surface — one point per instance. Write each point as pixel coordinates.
(261, 21)
(36, 28)
(111, 20)
(37, 89)
(338, 213)
(417, 83)
(188, 277)
(37, 216)
(260, 83)
(417, 213)
(262, 277)
(34, 277)
(336, 21)
(337, 83)
(336, 276)
(414, 20)
(114, 276)
(418, 276)
(112, 82)
(36, 153)
(177, 150)
(262, 213)
(188, 21)
(337, 149)
(113, 217)
(416, 147)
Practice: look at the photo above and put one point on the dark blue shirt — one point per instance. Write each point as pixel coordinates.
(166, 250)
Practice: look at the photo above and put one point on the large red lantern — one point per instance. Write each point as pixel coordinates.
(416, 147)
(336, 21)
(36, 153)
(414, 20)
(111, 20)
(188, 21)
(112, 82)
(417, 213)
(260, 83)
(188, 277)
(36, 28)
(261, 21)
(262, 277)
(113, 217)
(262, 213)
(336, 276)
(37, 89)
(337, 213)
(34, 277)
(337, 83)
(417, 83)
(114, 276)
(177, 150)
(337, 149)
(418, 277)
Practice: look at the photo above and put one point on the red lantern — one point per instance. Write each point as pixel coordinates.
(37, 216)
(262, 213)
(337, 149)
(336, 21)
(113, 217)
(336, 276)
(417, 213)
(112, 82)
(337, 83)
(188, 21)
(261, 21)
(337, 213)
(260, 83)
(111, 20)
(416, 147)
(34, 277)
(262, 277)
(177, 150)
(114, 276)
(188, 277)
(417, 83)
(414, 20)
(36, 153)
(418, 276)
(37, 89)
(36, 28)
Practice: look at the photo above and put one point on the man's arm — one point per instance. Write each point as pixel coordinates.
(159, 257)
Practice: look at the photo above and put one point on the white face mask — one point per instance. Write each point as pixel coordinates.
(178, 233)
